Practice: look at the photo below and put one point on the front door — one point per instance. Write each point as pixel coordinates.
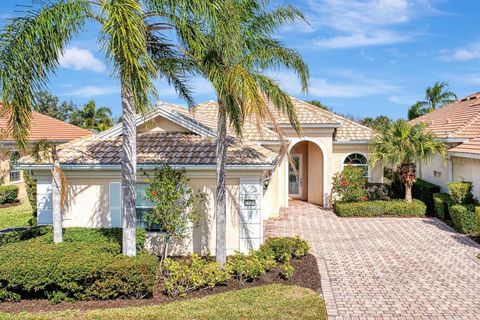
(295, 180)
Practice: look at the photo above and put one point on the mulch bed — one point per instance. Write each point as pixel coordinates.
(10, 204)
(306, 275)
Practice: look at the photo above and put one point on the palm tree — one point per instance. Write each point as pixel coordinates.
(93, 118)
(233, 55)
(435, 97)
(132, 42)
(404, 146)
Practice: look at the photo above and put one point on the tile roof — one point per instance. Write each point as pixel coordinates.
(45, 127)
(460, 119)
(156, 146)
(471, 146)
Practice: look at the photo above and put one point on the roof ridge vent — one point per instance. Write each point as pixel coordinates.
(447, 121)
(472, 98)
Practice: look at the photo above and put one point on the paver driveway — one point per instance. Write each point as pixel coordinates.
(388, 268)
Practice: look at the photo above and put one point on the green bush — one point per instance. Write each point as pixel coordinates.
(8, 194)
(464, 218)
(248, 267)
(73, 271)
(377, 191)
(461, 192)
(31, 188)
(349, 184)
(398, 208)
(284, 248)
(442, 203)
(424, 191)
(22, 235)
(193, 273)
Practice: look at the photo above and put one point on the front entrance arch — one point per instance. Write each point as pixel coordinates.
(306, 172)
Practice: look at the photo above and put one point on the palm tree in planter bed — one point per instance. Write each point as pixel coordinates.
(233, 57)
(404, 145)
(133, 44)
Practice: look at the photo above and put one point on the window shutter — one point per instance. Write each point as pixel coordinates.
(115, 204)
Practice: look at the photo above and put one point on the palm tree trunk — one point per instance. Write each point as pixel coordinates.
(407, 172)
(408, 192)
(56, 203)
(221, 203)
(129, 173)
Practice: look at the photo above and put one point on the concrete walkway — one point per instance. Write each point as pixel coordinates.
(388, 268)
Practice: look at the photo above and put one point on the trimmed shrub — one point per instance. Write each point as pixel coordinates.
(8, 194)
(464, 218)
(398, 208)
(461, 192)
(441, 203)
(248, 267)
(424, 191)
(284, 248)
(23, 235)
(31, 188)
(73, 271)
(377, 191)
(190, 274)
(349, 184)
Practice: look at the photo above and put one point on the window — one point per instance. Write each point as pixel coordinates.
(14, 174)
(437, 174)
(143, 206)
(357, 160)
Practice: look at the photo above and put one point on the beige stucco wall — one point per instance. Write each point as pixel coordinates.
(274, 197)
(302, 148)
(342, 151)
(315, 174)
(465, 169)
(427, 172)
(161, 123)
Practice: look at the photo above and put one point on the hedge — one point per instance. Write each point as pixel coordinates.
(31, 188)
(465, 218)
(399, 208)
(442, 202)
(8, 194)
(23, 235)
(424, 191)
(461, 192)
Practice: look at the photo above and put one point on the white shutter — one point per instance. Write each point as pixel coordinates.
(115, 204)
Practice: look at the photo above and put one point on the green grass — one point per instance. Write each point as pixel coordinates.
(17, 216)
(262, 303)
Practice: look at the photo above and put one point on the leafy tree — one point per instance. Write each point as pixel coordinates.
(233, 55)
(177, 210)
(93, 118)
(404, 146)
(377, 123)
(435, 97)
(132, 41)
(318, 103)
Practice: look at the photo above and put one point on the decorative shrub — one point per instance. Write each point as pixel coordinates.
(442, 203)
(349, 184)
(193, 273)
(464, 218)
(22, 235)
(31, 188)
(377, 191)
(8, 194)
(423, 190)
(397, 187)
(248, 267)
(461, 192)
(73, 271)
(398, 208)
(284, 248)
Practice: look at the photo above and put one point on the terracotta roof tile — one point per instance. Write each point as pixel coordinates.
(471, 146)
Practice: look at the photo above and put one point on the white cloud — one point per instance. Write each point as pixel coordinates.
(461, 54)
(80, 59)
(360, 23)
(92, 91)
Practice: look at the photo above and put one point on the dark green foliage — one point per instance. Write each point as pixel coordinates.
(285, 248)
(397, 187)
(73, 270)
(349, 184)
(464, 218)
(398, 208)
(30, 233)
(8, 194)
(424, 191)
(31, 188)
(377, 191)
(442, 203)
(461, 192)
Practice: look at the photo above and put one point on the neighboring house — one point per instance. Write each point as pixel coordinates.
(42, 127)
(259, 179)
(458, 125)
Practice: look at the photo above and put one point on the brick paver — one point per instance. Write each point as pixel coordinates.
(388, 268)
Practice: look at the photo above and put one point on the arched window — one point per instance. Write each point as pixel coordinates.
(14, 173)
(357, 160)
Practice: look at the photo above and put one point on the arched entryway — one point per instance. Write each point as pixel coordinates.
(306, 172)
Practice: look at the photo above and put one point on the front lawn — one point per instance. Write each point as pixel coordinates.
(267, 302)
(16, 216)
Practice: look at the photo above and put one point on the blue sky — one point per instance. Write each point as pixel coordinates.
(366, 57)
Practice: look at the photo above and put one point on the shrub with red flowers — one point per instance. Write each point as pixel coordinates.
(349, 185)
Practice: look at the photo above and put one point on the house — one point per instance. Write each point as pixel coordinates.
(42, 127)
(458, 126)
(260, 180)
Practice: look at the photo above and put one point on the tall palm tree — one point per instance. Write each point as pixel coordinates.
(435, 97)
(404, 146)
(234, 60)
(132, 42)
(93, 118)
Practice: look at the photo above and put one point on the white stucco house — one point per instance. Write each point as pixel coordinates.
(259, 178)
(458, 126)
